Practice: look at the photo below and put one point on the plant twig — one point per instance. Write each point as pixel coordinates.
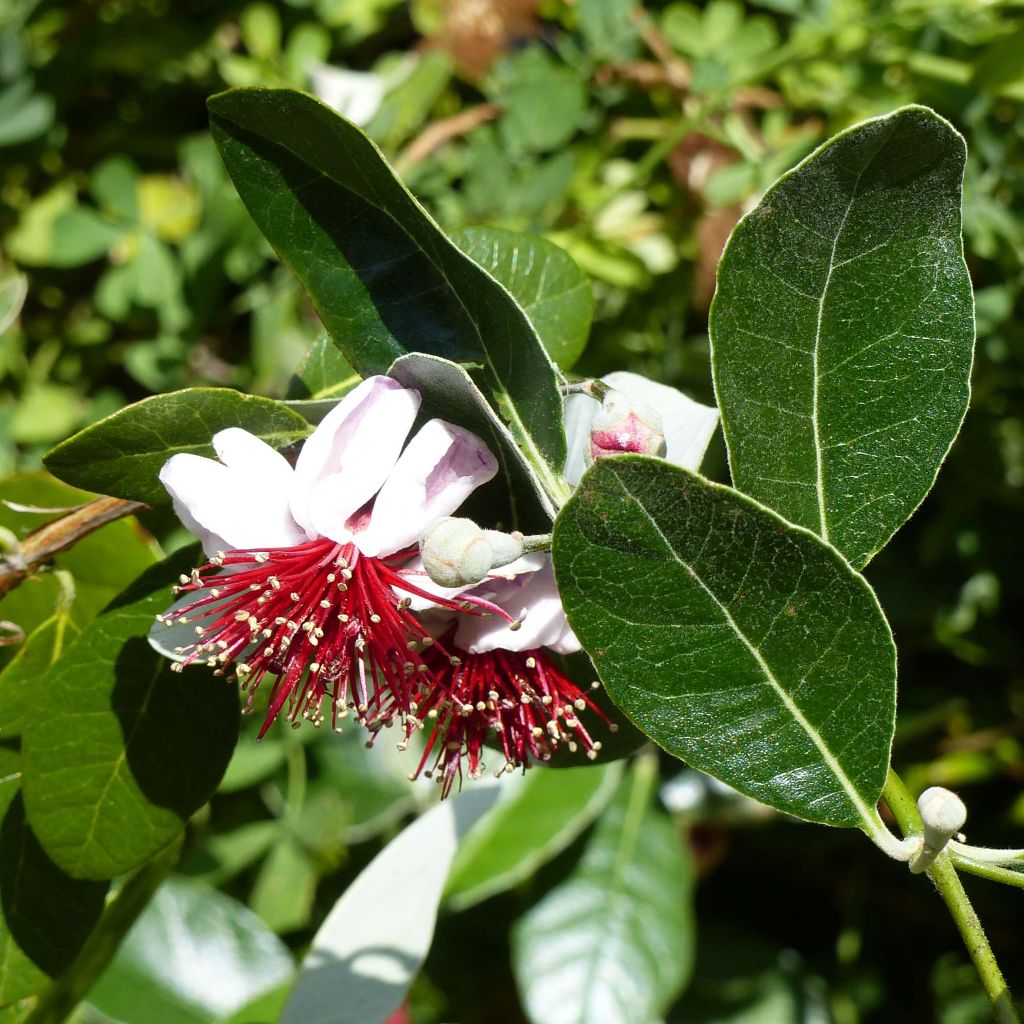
(438, 134)
(25, 558)
(944, 877)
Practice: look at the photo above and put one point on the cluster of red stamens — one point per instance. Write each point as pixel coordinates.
(331, 627)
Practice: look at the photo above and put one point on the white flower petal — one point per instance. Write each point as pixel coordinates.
(349, 455)
(199, 491)
(441, 466)
(356, 94)
(687, 424)
(579, 411)
(532, 598)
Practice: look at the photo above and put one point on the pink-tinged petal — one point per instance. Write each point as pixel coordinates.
(346, 459)
(533, 599)
(688, 426)
(227, 507)
(441, 466)
(200, 492)
(579, 412)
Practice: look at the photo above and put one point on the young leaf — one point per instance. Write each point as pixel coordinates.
(544, 279)
(122, 454)
(195, 956)
(615, 940)
(123, 751)
(383, 276)
(47, 916)
(377, 935)
(537, 820)
(842, 331)
(740, 643)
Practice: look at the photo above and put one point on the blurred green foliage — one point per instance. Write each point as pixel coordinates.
(634, 138)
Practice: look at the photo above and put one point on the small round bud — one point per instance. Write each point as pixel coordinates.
(455, 552)
(624, 426)
(505, 547)
(943, 814)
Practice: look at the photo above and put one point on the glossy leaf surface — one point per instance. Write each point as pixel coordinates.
(545, 280)
(122, 454)
(740, 643)
(123, 750)
(614, 942)
(383, 276)
(842, 331)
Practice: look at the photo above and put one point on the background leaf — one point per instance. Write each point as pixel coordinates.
(122, 454)
(614, 942)
(843, 330)
(529, 826)
(742, 645)
(124, 750)
(544, 279)
(195, 956)
(355, 237)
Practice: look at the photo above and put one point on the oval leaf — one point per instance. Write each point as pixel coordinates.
(614, 942)
(383, 276)
(740, 643)
(538, 820)
(842, 331)
(122, 454)
(123, 750)
(544, 279)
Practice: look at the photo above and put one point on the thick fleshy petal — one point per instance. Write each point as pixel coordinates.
(530, 597)
(225, 508)
(350, 454)
(688, 426)
(441, 466)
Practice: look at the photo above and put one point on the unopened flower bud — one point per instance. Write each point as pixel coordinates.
(943, 815)
(457, 553)
(624, 426)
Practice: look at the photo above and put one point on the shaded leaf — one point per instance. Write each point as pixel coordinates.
(842, 331)
(324, 196)
(530, 825)
(614, 942)
(122, 454)
(323, 374)
(195, 956)
(47, 916)
(544, 279)
(124, 750)
(740, 643)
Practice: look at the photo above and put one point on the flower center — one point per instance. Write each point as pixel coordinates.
(523, 696)
(322, 618)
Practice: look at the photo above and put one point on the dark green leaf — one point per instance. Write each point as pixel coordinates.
(544, 279)
(537, 819)
(740, 643)
(122, 454)
(323, 374)
(47, 916)
(123, 750)
(842, 331)
(383, 276)
(194, 957)
(615, 940)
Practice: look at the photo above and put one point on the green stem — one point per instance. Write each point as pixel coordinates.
(58, 1002)
(944, 877)
(993, 872)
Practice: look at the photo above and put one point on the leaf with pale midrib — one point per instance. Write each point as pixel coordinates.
(740, 643)
(842, 331)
